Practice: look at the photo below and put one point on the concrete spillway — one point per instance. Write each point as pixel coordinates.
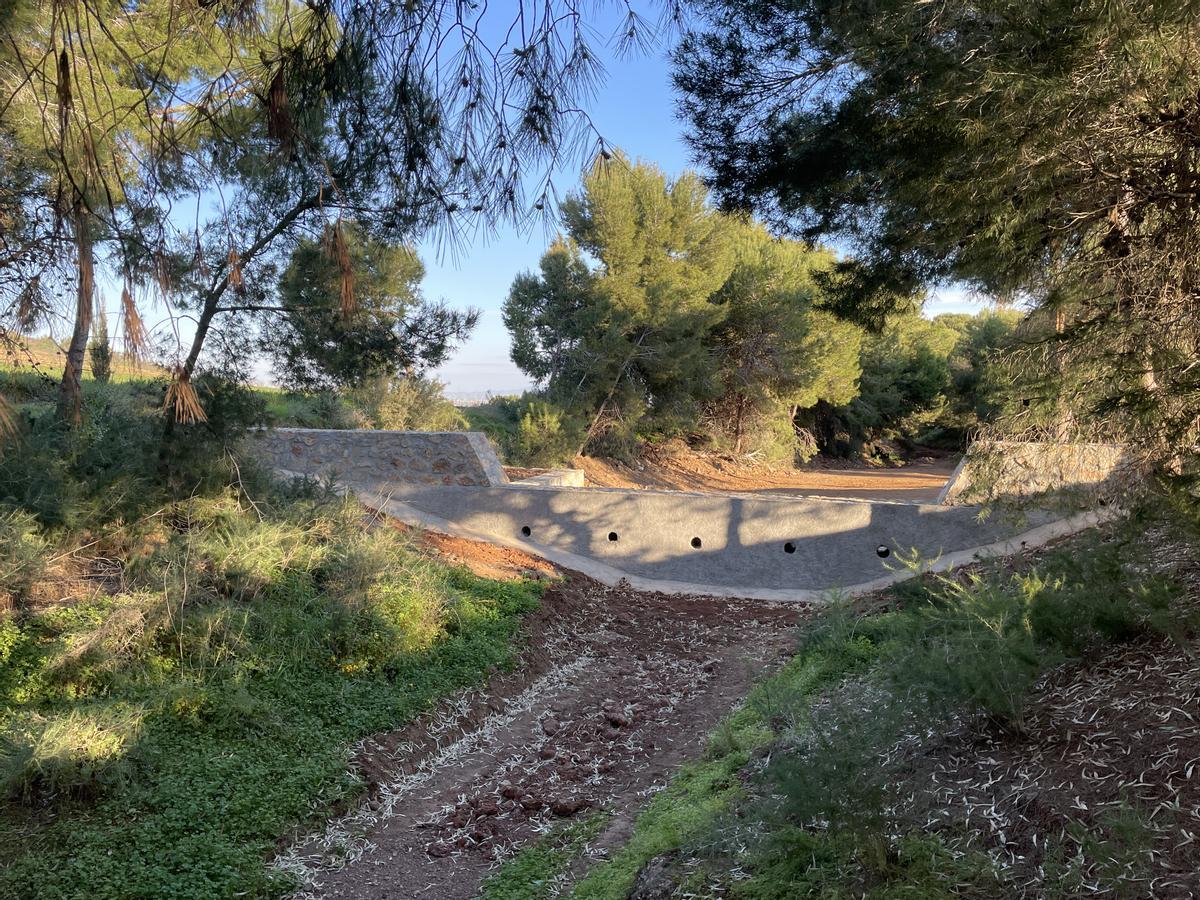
(745, 545)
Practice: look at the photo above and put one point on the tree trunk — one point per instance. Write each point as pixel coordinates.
(210, 307)
(611, 391)
(70, 396)
(739, 416)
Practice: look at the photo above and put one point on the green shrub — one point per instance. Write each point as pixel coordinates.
(546, 436)
(100, 352)
(972, 643)
(98, 641)
(80, 754)
(408, 404)
(117, 465)
(22, 555)
(323, 409)
(27, 386)
(397, 404)
(983, 640)
(795, 863)
(820, 742)
(775, 441)
(532, 874)
(528, 430)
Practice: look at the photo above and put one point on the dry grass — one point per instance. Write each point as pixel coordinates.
(45, 356)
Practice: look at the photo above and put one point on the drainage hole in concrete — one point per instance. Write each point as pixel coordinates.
(526, 530)
(696, 542)
(882, 552)
(789, 547)
(612, 536)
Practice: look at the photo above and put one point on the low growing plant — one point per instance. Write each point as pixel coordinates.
(160, 741)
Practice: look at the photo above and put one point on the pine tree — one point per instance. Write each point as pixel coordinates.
(626, 339)
(687, 316)
(391, 330)
(1043, 150)
(100, 351)
(775, 351)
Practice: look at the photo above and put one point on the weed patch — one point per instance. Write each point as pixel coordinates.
(160, 741)
(799, 794)
(533, 873)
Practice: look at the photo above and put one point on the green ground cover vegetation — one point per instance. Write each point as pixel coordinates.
(185, 658)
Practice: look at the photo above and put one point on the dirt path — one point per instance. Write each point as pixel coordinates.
(615, 689)
(920, 479)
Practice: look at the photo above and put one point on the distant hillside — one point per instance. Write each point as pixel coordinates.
(477, 398)
(44, 354)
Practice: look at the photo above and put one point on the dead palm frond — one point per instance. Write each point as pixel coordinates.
(133, 331)
(183, 401)
(65, 101)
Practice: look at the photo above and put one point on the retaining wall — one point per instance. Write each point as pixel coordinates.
(404, 457)
(1082, 474)
(735, 544)
(739, 545)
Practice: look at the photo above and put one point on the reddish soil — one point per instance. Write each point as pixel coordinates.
(687, 470)
(485, 560)
(613, 690)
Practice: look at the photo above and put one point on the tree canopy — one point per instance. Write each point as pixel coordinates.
(1042, 151)
(775, 350)
(656, 312)
(202, 142)
(392, 328)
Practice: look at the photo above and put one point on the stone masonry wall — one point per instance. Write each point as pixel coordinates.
(999, 470)
(462, 458)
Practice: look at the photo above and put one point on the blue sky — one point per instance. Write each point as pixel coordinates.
(635, 110)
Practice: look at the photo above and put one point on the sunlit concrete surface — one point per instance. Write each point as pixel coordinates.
(727, 544)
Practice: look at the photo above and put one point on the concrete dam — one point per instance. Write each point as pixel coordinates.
(721, 544)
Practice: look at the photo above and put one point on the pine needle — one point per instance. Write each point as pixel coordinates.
(235, 270)
(198, 261)
(184, 401)
(279, 113)
(338, 250)
(133, 331)
(162, 272)
(29, 303)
